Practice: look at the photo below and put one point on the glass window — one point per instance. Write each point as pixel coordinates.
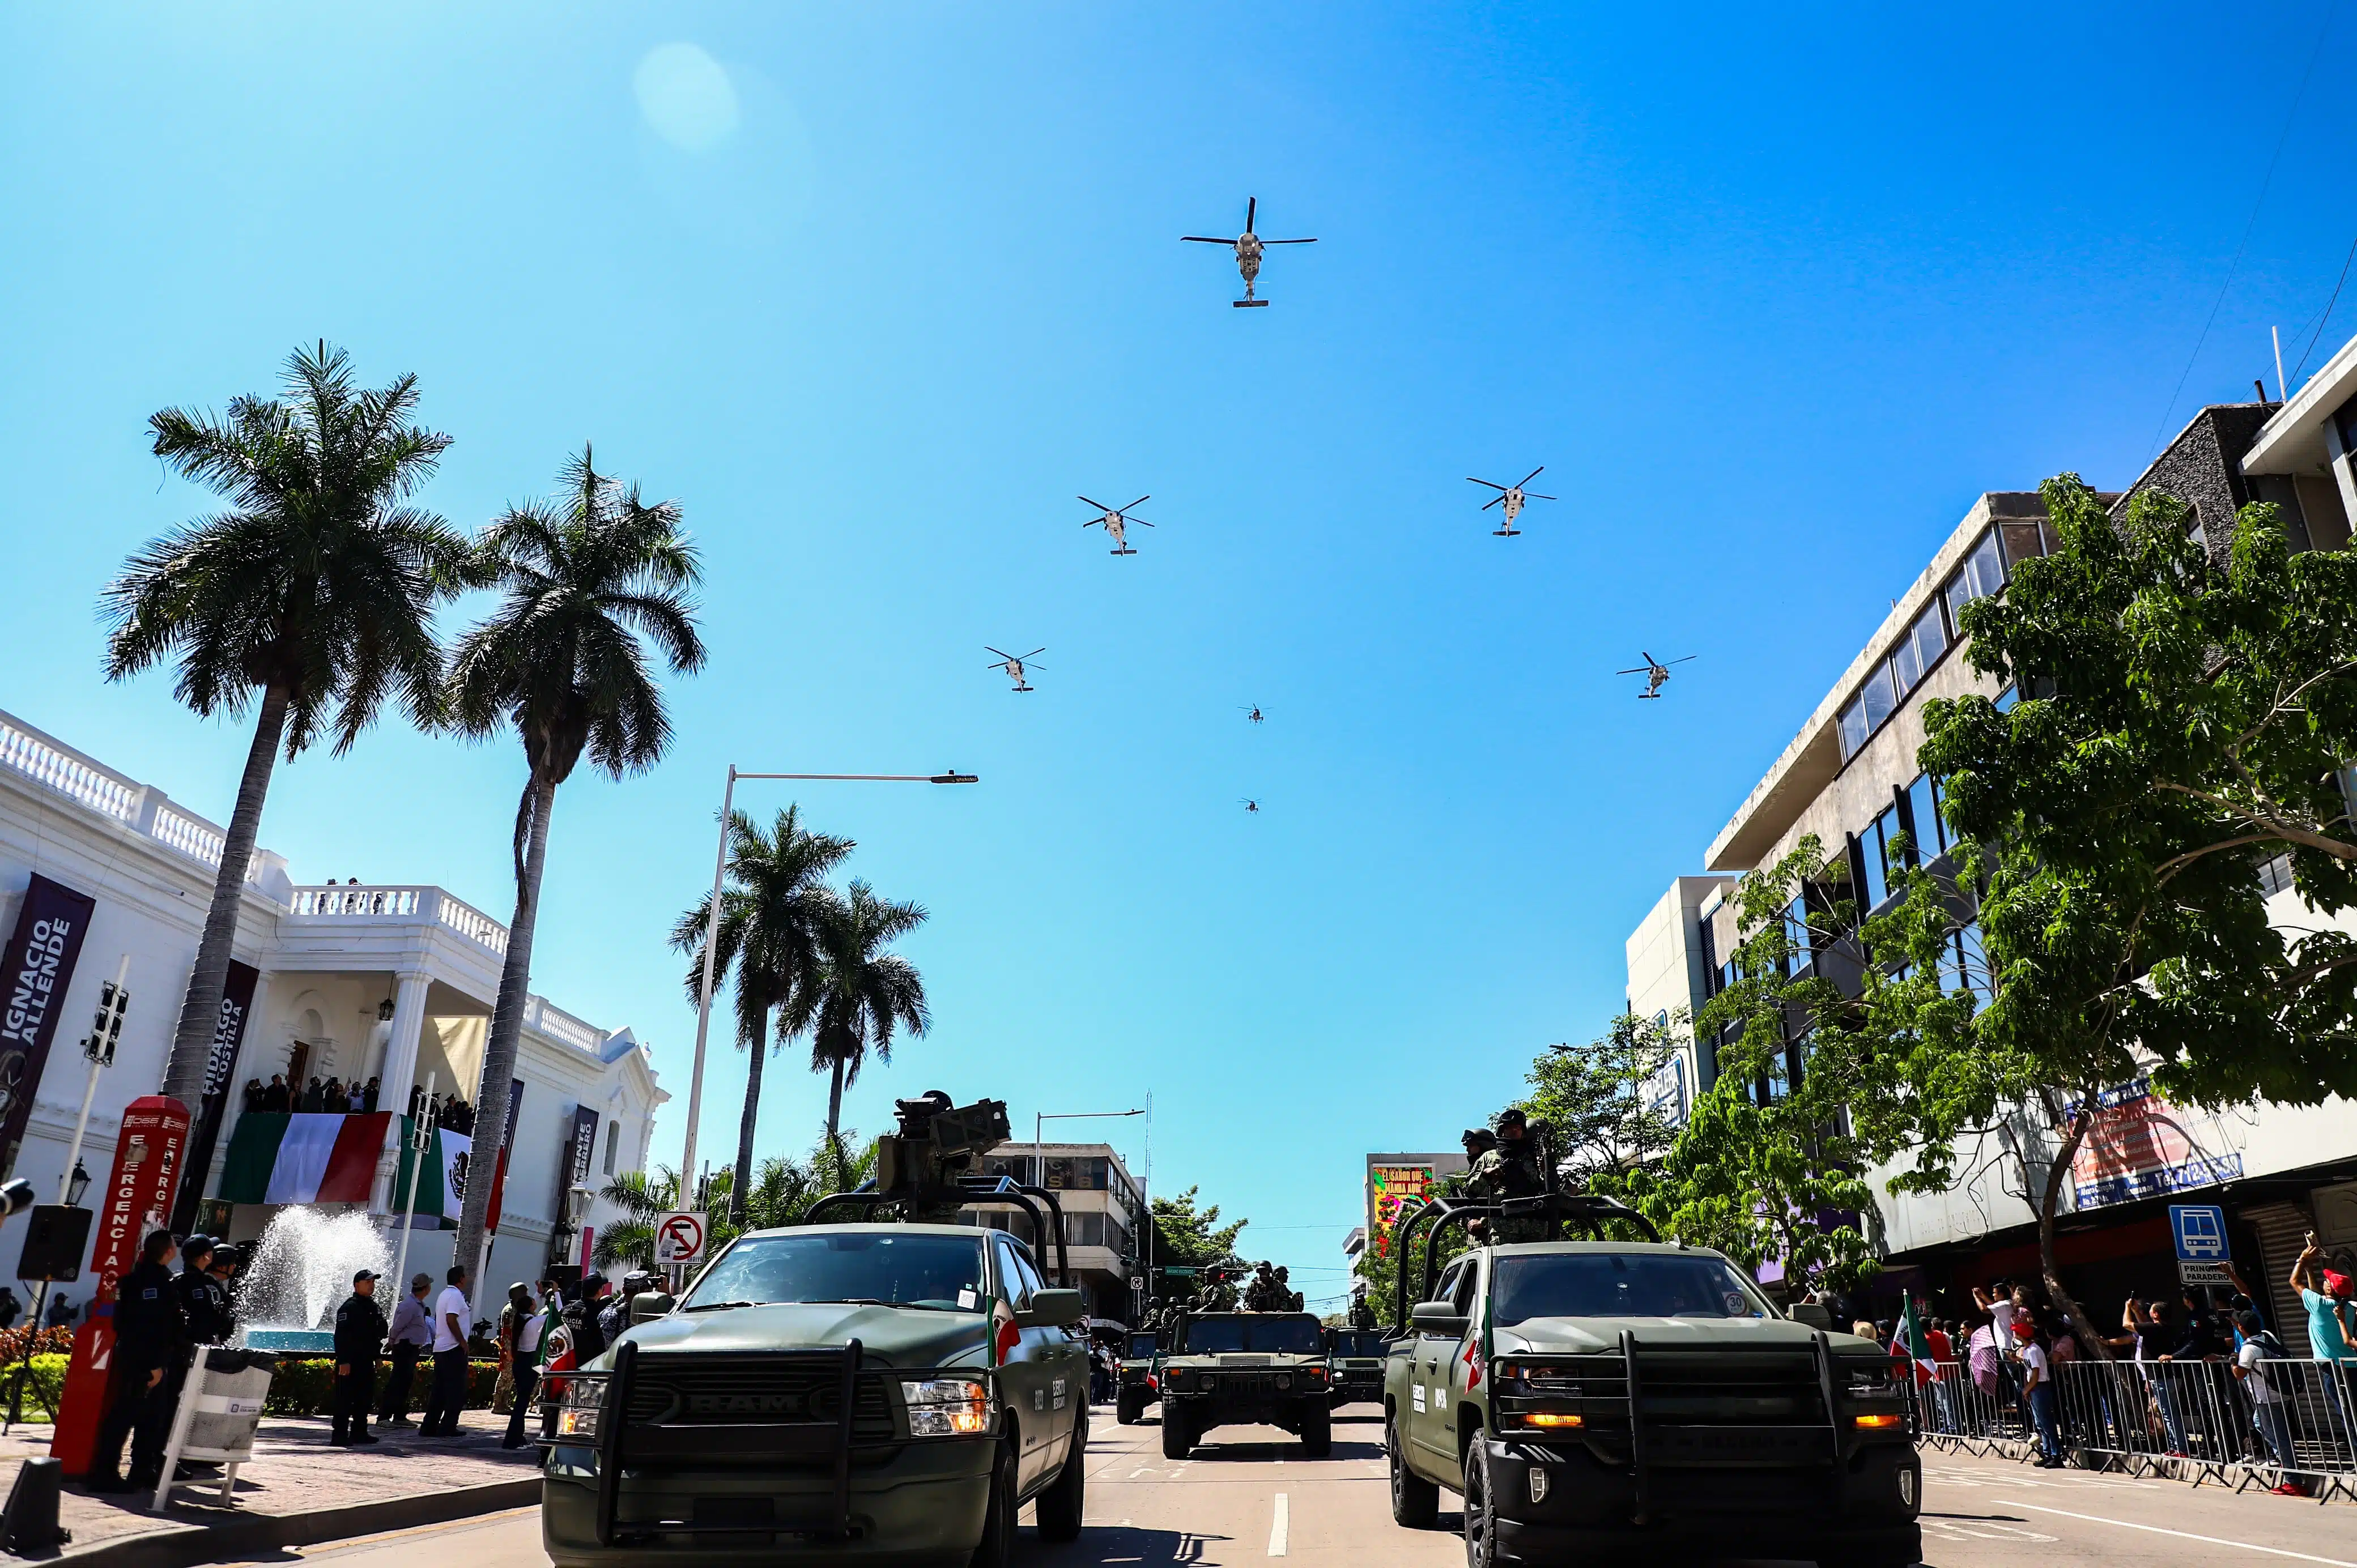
(1875, 861)
(2022, 540)
(1854, 728)
(1877, 698)
(1924, 826)
(1982, 573)
(1621, 1284)
(1032, 1284)
(1965, 965)
(2275, 875)
(1270, 1335)
(911, 1269)
(1141, 1346)
(1926, 640)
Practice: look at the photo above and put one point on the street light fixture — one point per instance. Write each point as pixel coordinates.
(712, 920)
(77, 1184)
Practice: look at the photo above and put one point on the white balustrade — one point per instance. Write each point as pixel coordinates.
(192, 836)
(559, 1024)
(471, 923)
(26, 750)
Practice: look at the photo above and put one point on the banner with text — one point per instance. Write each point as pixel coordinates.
(228, 1035)
(38, 965)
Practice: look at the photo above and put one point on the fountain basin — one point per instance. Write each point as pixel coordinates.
(288, 1341)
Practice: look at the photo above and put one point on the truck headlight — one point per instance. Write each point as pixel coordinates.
(947, 1407)
(585, 1401)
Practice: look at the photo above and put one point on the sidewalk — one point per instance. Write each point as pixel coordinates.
(297, 1490)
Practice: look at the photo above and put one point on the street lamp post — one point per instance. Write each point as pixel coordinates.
(1039, 1150)
(712, 921)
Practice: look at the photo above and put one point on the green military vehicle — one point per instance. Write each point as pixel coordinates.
(879, 1388)
(1139, 1386)
(1355, 1366)
(1600, 1398)
(1235, 1368)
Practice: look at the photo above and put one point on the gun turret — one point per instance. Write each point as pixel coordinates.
(937, 1144)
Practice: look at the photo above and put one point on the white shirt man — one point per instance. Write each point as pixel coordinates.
(450, 1311)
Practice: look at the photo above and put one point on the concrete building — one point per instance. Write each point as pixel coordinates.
(1670, 976)
(1105, 1218)
(1849, 777)
(352, 981)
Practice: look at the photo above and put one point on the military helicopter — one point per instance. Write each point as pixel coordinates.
(1248, 248)
(1513, 496)
(1252, 712)
(1116, 522)
(1655, 673)
(1013, 664)
(1249, 805)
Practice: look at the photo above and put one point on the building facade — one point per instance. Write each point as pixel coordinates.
(1849, 777)
(1106, 1224)
(341, 980)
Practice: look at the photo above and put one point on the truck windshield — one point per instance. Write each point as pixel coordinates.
(1358, 1345)
(1269, 1335)
(1621, 1284)
(1141, 1346)
(904, 1269)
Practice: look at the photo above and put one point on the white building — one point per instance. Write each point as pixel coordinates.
(355, 982)
(1104, 1217)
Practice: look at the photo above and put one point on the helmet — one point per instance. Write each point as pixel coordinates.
(198, 1242)
(1511, 1116)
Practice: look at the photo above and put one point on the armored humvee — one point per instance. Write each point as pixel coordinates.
(1139, 1386)
(1354, 1365)
(866, 1386)
(1602, 1397)
(1229, 1369)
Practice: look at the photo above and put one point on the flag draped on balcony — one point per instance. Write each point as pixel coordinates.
(277, 1156)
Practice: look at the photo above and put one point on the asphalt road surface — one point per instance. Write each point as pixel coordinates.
(1247, 1496)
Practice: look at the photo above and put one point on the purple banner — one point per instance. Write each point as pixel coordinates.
(228, 1035)
(35, 969)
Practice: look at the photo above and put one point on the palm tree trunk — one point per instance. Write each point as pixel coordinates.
(507, 1031)
(741, 1180)
(192, 1042)
(834, 1116)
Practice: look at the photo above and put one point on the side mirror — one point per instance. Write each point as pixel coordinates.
(1815, 1314)
(1439, 1317)
(649, 1304)
(1054, 1309)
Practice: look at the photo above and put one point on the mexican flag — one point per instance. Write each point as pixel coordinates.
(1918, 1343)
(276, 1156)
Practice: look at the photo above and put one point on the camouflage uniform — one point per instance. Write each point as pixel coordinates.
(1287, 1298)
(1509, 1169)
(1260, 1291)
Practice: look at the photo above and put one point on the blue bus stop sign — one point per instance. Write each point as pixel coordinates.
(2200, 1232)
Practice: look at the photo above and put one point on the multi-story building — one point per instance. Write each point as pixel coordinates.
(1105, 1218)
(330, 980)
(1849, 777)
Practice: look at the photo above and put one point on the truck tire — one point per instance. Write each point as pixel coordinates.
(1128, 1405)
(1061, 1505)
(1416, 1502)
(1178, 1430)
(996, 1548)
(1316, 1431)
(1481, 1507)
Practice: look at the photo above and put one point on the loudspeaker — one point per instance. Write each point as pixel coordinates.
(55, 1239)
(29, 1526)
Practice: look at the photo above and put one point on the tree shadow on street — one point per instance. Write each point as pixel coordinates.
(1121, 1544)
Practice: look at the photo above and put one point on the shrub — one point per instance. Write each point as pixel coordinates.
(307, 1387)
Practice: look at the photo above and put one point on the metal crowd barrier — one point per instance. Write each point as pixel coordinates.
(2193, 1420)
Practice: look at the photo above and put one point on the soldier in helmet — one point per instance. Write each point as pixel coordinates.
(1283, 1296)
(1260, 1289)
(1510, 1169)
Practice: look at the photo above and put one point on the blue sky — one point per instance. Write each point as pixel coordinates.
(875, 290)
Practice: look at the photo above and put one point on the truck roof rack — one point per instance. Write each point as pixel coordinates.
(1588, 1211)
(971, 1189)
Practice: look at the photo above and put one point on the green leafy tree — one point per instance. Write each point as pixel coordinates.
(1599, 1099)
(776, 914)
(586, 582)
(2181, 721)
(1189, 1234)
(309, 600)
(643, 1198)
(861, 993)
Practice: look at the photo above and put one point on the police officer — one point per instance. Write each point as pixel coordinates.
(360, 1341)
(150, 1336)
(204, 1300)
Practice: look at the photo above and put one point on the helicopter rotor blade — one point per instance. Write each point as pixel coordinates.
(1492, 483)
(1308, 242)
(1494, 500)
(1139, 501)
(1035, 653)
(1533, 474)
(1205, 239)
(1688, 659)
(1641, 670)
(1252, 211)
(1141, 522)
(1534, 496)
(1099, 505)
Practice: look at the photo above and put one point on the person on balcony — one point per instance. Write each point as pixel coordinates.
(276, 1097)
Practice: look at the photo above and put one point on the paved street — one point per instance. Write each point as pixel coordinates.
(1247, 1496)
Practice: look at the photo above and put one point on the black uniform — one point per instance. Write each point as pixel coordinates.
(360, 1341)
(204, 1306)
(151, 1336)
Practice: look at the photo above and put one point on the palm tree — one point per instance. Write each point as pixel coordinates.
(643, 1200)
(312, 597)
(584, 579)
(774, 914)
(862, 994)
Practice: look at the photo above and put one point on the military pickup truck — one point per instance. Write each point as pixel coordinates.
(876, 1389)
(1604, 1397)
(1355, 1366)
(1139, 1386)
(1233, 1368)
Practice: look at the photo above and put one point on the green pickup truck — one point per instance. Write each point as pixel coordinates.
(1602, 1397)
(876, 1391)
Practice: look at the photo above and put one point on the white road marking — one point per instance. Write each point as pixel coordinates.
(1276, 1526)
(2183, 1534)
(1141, 1471)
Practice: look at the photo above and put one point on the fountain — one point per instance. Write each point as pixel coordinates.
(302, 1271)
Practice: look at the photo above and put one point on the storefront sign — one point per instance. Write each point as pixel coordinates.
(33, 973)
(147, 1166)
(2135, 1146)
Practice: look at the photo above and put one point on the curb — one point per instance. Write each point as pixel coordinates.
(179, 1544)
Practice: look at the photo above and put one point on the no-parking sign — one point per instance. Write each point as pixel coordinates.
(679, 1239)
